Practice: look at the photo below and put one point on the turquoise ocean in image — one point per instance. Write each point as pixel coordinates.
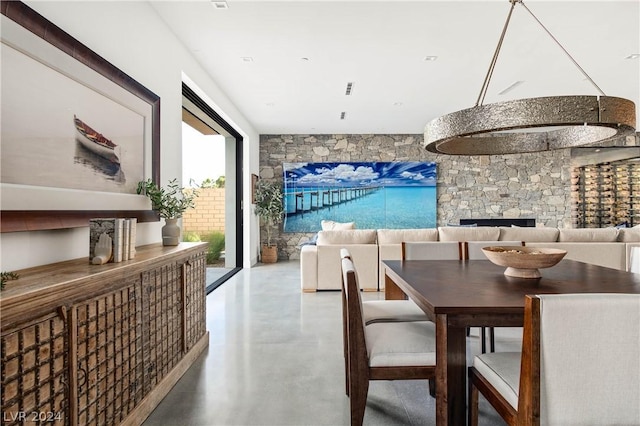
(379, 208)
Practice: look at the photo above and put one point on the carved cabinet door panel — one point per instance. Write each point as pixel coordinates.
(162, 290)
(35, 372)
(194, 283)
(109, 355)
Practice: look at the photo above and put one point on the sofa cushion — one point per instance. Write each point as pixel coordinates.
(346, 236)
(480, 233)
(329, 225)
(629, 235)
(397, 236)
(527, 234)
(588, 235)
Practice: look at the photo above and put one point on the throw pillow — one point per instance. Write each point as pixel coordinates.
(311, 242)
(330, 225)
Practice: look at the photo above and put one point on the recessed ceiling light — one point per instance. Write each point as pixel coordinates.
(304, 59)
(220, 4)
(633, 56)
(246, 59)
(397, 104)
(270, 104)
(430, 58)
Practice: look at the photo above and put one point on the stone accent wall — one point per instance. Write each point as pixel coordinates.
(498, 186)
(209, 212)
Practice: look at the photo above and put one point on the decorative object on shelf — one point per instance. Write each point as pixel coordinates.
(170, 203)
(103, 249)
(270, 208)
(524, 262)
(171, 232)
(122, 238)
(7, 276)
(509, 127)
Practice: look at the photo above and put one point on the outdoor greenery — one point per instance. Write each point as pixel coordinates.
(215, 240)
(216, 245)
(209, 183)
(170, 202)
(269, 205)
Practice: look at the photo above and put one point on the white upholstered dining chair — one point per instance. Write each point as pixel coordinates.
(374, 311)
(472, 250)
(382, 350)
(431, 250)
(579, 365)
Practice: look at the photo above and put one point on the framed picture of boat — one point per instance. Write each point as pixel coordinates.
(77, 133)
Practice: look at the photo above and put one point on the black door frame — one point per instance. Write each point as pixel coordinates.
(225, 127)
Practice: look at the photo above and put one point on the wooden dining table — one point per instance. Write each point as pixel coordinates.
(457, 294)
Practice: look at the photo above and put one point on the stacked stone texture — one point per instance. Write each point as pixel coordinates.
(499, 186)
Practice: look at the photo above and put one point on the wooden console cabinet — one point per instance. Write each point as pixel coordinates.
(86, 344)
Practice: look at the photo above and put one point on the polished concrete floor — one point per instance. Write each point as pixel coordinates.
(275, 358)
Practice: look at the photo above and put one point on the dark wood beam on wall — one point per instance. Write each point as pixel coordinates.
(40, 220)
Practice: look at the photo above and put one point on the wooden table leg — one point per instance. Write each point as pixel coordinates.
(391, 290)
(451, 366)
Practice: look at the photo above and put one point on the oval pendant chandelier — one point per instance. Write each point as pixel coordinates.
(533, 124)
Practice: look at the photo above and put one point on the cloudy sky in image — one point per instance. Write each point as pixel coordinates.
(361, 173)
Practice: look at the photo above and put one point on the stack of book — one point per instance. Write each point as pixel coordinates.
(122, 233)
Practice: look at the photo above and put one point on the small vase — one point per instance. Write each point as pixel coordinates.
(171, 233)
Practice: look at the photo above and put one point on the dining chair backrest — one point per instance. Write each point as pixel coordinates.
(355, 318)
(586, 350)
(472, 250)
(431, 250)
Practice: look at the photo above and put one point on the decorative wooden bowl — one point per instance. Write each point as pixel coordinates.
(524, 262)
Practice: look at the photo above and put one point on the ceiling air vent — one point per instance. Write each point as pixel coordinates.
(343, 114)
(349, 89)
(220, 4)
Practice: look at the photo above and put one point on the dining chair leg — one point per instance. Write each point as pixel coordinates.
(472, 410)
(492, 339)
(346, 374)
(358, 400)
(345, 345)
(432, 388)
(483, 339)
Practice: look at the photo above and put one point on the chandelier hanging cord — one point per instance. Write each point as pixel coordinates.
(494, 60)
(563, 49)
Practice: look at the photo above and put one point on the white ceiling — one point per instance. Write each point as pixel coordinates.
(380, 46)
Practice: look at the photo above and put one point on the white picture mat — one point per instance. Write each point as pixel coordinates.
(37, 197)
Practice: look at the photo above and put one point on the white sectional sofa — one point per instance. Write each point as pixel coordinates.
(319, 264)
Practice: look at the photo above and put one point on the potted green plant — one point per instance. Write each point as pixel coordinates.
(170, 203)
(270, 208)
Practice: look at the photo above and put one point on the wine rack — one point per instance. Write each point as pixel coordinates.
(606, 194)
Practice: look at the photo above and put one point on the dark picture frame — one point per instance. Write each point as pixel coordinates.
(41, 219)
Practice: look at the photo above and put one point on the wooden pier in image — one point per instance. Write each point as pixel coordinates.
(318, 199)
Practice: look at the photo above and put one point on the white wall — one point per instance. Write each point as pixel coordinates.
(131, 36)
